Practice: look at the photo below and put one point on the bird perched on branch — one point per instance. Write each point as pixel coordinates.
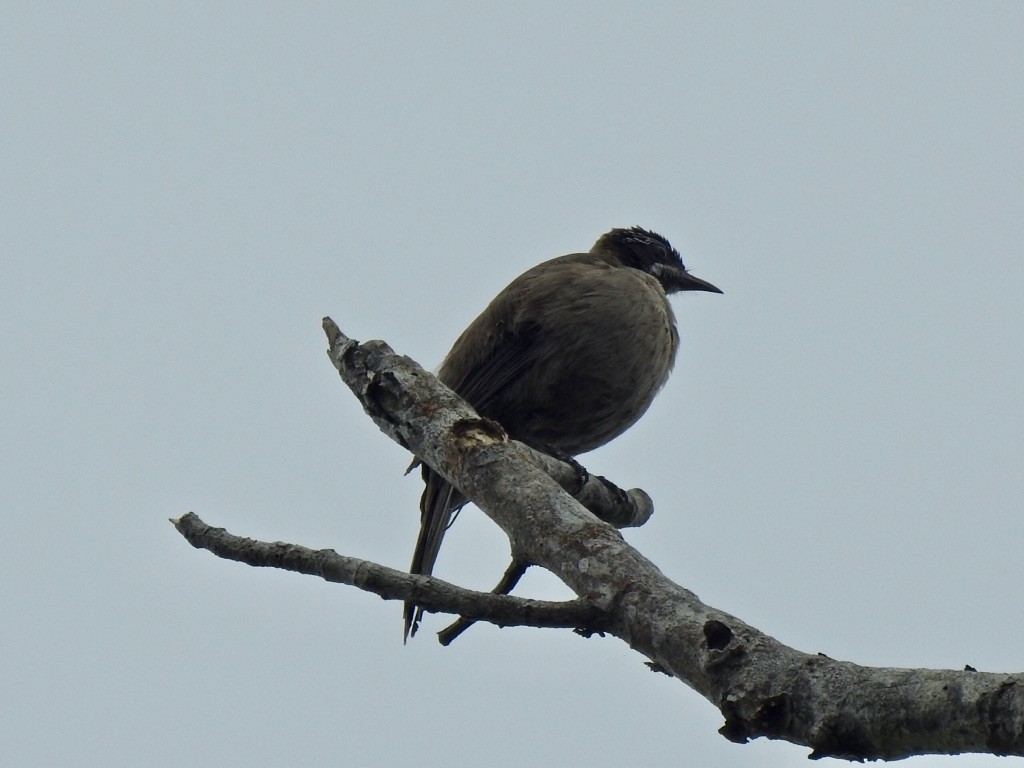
(566, 358)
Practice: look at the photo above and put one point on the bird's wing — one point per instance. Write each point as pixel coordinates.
(496, 365)
(500, 347)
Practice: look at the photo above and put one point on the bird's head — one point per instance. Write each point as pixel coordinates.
(651, 253)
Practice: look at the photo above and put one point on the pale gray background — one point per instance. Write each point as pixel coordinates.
(186, 191)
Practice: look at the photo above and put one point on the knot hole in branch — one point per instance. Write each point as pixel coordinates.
(717, 634)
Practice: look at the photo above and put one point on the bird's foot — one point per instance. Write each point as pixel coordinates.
(582, 475)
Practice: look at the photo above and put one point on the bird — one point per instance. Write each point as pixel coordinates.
(566, 358)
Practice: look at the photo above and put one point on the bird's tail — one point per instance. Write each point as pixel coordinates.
(438, 503)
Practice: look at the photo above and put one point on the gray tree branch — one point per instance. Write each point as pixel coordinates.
(762, 687)
(432, 593)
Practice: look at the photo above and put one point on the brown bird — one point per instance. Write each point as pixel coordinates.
(566, 358)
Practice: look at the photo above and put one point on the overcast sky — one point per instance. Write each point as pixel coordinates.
(187, 190)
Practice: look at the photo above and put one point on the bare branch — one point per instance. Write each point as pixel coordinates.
(762, 687)
(623, 509)
(433, 594)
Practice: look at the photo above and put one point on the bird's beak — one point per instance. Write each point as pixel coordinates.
(686, 282)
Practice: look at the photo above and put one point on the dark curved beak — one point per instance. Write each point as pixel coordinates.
(686, 282)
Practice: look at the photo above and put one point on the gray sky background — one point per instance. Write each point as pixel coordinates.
(187, 190)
